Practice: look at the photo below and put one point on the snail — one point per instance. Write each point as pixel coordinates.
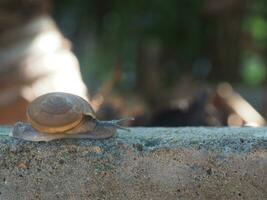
(60, 115)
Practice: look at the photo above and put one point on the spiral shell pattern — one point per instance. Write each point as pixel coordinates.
(57, 112)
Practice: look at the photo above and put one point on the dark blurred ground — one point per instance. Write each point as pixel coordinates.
(164, 62)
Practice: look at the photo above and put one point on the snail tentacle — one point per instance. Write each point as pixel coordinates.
(114, 123)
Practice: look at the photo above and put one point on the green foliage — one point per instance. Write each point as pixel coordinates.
(111, 32)
(253, 70)
(257, 26)
(106, 33)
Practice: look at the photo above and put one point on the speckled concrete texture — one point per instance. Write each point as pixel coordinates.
(146, 163)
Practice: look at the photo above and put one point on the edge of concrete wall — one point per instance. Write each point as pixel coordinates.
(146, 163)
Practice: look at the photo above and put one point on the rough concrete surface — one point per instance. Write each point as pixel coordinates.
(146, 163)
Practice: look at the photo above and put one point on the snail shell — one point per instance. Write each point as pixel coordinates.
(60, 115)
(58, 112)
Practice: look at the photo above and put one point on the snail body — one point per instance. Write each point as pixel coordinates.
(60, 115)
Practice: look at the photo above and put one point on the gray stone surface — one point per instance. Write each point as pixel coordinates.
(146, 163)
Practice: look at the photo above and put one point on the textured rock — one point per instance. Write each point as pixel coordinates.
(146, 163)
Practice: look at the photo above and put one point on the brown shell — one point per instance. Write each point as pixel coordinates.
(58, 112)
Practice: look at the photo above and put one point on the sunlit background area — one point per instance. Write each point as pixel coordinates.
(166, 63)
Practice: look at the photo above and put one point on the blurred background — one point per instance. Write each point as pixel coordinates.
(166, 63)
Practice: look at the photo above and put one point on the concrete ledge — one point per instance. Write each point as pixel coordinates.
(146, 163)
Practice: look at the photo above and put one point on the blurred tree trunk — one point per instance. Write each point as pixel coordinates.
(35, 58)
(149, 76)
(224, 47)
(15, 13)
